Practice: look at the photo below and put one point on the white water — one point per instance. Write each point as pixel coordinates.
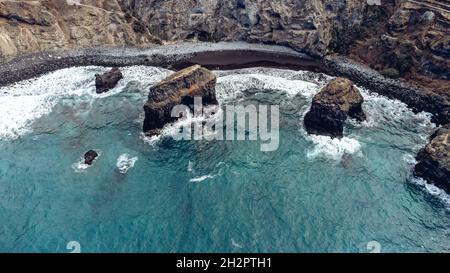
(125, 162)
(26, 101)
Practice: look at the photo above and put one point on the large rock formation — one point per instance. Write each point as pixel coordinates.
(179, 88)
(108, 80)
(434, 160)
(30, 26)
(331, 107)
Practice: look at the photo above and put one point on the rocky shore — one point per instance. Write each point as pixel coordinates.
(229, 55)
(415, 97)
(176, 56)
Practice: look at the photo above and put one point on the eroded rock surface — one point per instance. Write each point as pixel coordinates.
(108, 80)
(434, 160)
(304, 25)
(413, 42)
(31, 26)
(179, 88)
(330, 108)
(90, 156)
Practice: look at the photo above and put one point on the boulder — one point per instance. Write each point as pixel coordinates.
(108, 80)
(179, 88)
(330, 108)
(90, 156)
(434, 160)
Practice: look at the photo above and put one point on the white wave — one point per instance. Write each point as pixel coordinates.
(24, 102)
(80, 166)
(382, 110)
(433, 190)
(303, 75)
(173, 129)
(150, 140)
(230, 87)
(201, 178)
(409, 159)
(125, 162)
(332, 148)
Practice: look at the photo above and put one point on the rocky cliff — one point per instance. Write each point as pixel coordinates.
(30, 26)
(413, 43)
(308, 26)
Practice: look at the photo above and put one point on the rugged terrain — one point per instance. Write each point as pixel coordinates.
(31, 26)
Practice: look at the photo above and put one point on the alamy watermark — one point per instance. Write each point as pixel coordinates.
(230, 123)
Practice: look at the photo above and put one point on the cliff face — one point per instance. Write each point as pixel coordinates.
(30, 26)
(414, 43)
(304, 25)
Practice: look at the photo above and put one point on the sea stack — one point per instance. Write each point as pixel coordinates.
(90, 156)
(434, 160)
(108, 80)
(330, 108)
(179, 88)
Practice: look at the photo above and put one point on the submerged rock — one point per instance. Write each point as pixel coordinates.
(90, 156)
(179, 88)
(434, 160)
(108, 80)
(331, 107)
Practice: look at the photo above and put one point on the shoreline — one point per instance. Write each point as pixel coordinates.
(174, 56)
(225, 56)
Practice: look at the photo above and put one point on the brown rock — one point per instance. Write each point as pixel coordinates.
(32, 26)
(331, 107)
(179, 88)
(108, 80)
(434, 160)
(303, 25)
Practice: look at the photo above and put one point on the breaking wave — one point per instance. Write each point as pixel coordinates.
(125, 162)
(26, 101)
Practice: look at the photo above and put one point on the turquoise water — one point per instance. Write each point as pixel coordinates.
(313, 194)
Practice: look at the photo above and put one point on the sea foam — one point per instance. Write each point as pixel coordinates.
(201, 178)
(125, 162)
(433, 190)
(24, 102)
(332, 148)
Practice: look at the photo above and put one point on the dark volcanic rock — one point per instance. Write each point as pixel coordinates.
(107, 81)
(331, 107)
(90, 156)
(434, 160)
(179, 88)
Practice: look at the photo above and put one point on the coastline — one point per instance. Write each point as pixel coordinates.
(175, 56)
(225, 56)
